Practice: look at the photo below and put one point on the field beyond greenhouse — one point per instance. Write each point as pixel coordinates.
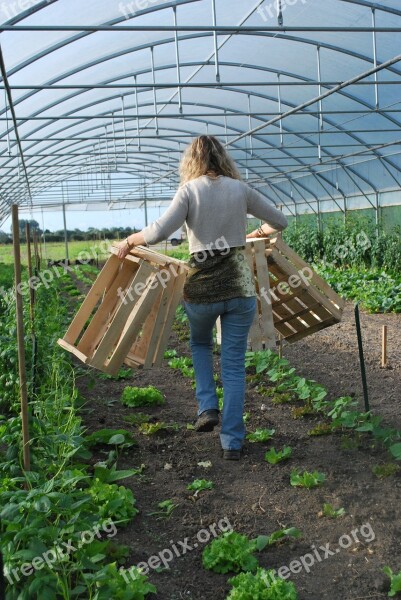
(125, 500)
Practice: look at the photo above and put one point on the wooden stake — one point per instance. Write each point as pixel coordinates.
(280, 345)
(20, 339)
(37, 259)
(384, 347)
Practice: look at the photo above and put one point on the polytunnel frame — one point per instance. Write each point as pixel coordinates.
(203, 31)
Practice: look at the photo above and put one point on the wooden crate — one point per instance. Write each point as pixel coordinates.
(262, 333)
(295, 298)
(127, 315)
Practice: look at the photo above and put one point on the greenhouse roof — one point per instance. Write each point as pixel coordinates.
(101, 97)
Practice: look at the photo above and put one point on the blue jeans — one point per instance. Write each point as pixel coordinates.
(237, 316)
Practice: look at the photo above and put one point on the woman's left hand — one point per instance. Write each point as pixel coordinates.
(123, 250)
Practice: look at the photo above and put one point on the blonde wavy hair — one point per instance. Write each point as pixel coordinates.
(206, 156)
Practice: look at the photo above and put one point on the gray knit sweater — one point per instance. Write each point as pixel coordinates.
(215, 212)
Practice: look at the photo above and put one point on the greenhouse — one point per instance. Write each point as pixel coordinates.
(200, 288)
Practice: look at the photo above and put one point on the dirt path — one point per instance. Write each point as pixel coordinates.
(257, 497)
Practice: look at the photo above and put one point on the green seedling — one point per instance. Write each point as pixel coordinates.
(136, 396)
(166, 508)
(306, 479)
(122, 374)
(261, 435)
(273, 457)
(322, 429)
(329, 511)
(198, 485)
(137, 418)
(395, 581)
(386, 470)
(152, 428)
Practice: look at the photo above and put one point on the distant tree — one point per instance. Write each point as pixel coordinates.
(4, 237)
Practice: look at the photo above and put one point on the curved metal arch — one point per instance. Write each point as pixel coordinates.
(147, 45)
(374, 5)
(394, 166)
(333, 124)
(237, 131)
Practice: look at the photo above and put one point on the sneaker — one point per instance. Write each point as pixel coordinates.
(231, 454)
(207, 420)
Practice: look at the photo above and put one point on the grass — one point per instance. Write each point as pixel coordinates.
(55, 251)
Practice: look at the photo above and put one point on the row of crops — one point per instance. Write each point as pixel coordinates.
(362, 263)
(58, 521)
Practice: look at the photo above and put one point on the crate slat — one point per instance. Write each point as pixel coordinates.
(126, 323)
(304, 306)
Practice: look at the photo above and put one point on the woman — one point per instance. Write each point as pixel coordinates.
(214, 204)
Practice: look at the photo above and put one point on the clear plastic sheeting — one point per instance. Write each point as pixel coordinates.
(102, 96)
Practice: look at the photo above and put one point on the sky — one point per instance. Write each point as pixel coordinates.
(84, 219)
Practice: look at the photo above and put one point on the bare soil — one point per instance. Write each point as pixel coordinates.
(257, 497)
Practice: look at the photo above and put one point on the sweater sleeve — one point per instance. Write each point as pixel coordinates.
(170, 221)
(260, 208)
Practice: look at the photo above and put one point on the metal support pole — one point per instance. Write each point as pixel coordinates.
(320, 120)
(375, 59)
(65, 233)
(377, 210)
(361, 358)
(177, 58)
(21, 340)
(225, 126)
(250, 123)
(279, 109)
(216, 46)
(124, 127)
(154, 88)
(137, 115)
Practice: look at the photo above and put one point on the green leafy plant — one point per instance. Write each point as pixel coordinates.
(261, 435)
(106, 475)
(152, 428)
(137, 418)
(261, 585)
(268, 540)
(395, 581)
(307, 479)
(198, 485)
(122, 374)
(300, 412)
(329, 511)
(183, 364)
(166, 508)
(386, 470)
(111, 437)
(136, 396)
(114, 502)
(109, 583)
(235, 552)
(322, 429)
(230, 552)
(273, 457)
(395, 450)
